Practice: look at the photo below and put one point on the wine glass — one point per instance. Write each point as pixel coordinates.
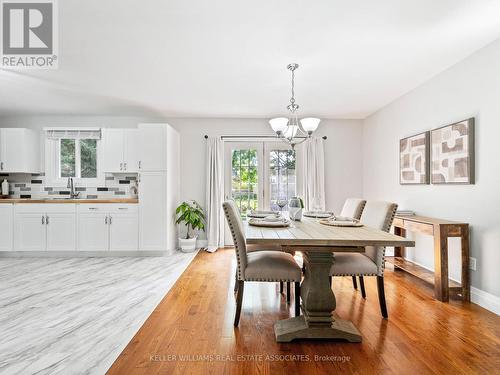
(281, 203)
(316, 205)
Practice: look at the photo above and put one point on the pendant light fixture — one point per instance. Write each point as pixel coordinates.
(290, 129)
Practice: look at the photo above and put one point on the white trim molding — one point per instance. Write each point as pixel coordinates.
(486, 300)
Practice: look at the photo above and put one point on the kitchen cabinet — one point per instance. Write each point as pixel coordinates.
(93, 232)
(61, 231)
(120, 150)
(39, 227)
(6, 227)
(159, 194)
(123, 229)
(103, 227)
(152, 217)
(131, 156)
(153, 147)
(19, 151)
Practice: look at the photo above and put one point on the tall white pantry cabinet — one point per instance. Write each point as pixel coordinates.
(159, 186)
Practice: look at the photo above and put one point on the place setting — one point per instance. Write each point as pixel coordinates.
(341, 221)
(269, 219)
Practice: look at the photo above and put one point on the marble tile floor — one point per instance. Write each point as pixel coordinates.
(76, 315)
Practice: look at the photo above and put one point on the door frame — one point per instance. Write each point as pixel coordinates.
(263, 147)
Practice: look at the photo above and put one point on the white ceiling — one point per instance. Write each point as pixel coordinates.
(227, 58)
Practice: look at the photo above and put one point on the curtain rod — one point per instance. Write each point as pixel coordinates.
(254, 136)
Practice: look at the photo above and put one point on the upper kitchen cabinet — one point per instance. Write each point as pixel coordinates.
(120, 150)
(19, 151)
(155, 140)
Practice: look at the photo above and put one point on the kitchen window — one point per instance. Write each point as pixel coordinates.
(73, 153)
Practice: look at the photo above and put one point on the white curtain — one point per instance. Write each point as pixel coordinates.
(215, 193)
(313, 173)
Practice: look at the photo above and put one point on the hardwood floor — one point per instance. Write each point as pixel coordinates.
(194, 324)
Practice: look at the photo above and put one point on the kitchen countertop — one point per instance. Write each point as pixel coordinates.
(64, 200)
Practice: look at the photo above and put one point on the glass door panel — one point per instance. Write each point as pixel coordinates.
(244, 179)
(281, 183)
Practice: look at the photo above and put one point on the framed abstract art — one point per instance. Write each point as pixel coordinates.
(414, 159)
(452, 149)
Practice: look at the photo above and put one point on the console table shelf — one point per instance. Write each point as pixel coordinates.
(400, 263)
(440, 230)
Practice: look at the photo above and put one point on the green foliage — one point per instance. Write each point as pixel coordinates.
(88, 156)
(191, 214)
(68, 167)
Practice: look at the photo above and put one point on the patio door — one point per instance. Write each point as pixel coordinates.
(258, 175)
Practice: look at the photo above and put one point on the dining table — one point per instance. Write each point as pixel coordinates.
(318, 243)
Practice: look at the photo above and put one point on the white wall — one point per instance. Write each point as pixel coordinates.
(343, 159)
(470, 88)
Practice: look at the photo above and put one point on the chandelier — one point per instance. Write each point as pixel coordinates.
(289, 129)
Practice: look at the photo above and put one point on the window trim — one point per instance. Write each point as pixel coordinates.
(52, 164)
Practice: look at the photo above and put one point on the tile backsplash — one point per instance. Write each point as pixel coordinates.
(25, 185)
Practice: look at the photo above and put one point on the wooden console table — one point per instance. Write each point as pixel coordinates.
(441, 230)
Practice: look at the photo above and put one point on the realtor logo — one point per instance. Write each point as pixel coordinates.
(29, 34)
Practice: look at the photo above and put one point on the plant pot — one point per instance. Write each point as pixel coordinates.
(187, 245)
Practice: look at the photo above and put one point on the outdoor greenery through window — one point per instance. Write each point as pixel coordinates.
(78, 158)
(282, 177)
(244, 180)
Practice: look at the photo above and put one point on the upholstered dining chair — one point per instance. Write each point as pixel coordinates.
(353, 208)
(262, 265)
(379, 215)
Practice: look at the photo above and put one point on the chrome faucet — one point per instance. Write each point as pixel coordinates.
(71, 188)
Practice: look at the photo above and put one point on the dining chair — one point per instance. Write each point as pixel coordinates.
(262, 265)
(378, 215)
(353, 208)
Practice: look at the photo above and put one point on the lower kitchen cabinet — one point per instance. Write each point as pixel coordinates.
(30, 231)
(69, 227)
(6, 226)
(45, 227)
(61, 231)
(93, 232)
(103, 227)
(123, 231)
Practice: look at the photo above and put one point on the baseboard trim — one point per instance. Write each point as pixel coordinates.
(202, 244)
(486, 300)
(83, 254)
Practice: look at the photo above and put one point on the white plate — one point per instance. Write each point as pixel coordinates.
(260, 214)
(341, 223)
(272, 224)
(317, 214)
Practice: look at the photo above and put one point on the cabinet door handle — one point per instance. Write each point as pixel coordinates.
(139, 164)
(124, 166)
(121, 166)
(106, 220)
(110, 220)
(47, 219)
(1, 165)
(43, 220)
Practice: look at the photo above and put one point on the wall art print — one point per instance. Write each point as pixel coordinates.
(414, 159)
(452, 149)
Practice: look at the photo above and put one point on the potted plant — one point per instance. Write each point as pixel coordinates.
(190, 214)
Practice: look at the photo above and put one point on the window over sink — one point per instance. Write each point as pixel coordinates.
(73, 153)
